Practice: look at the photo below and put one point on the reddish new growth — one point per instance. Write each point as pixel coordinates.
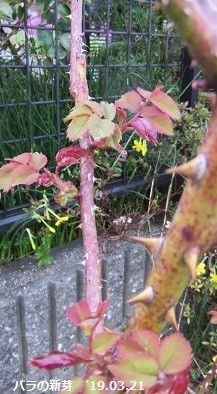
(147, 113)
(139, 361)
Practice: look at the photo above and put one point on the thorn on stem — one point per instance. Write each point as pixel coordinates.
(171, 317)
(194, 169)
(191, 257)
(146, 296)
(152, 244)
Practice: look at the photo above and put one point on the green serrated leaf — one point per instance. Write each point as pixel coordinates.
(140, 368)
(78, 111)
(109, 110)
(95, 107)
(77, 127)
(148, 340)
(101, 343)
(175, 354)
(100, 128)
(114, 139)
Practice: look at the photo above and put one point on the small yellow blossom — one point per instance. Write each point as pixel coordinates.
(51, 229)
(140, 146)
(213, 278)
(214, 359)
(200, 270)
(61, 219)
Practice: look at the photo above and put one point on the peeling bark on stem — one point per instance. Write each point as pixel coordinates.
(79, 90)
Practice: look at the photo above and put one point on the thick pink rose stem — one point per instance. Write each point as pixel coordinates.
(79, 90)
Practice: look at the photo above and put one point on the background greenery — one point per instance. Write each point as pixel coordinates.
(130, 48)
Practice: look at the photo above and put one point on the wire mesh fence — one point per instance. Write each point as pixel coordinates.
(127, 45)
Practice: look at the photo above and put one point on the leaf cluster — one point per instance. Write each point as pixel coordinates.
(138, 362)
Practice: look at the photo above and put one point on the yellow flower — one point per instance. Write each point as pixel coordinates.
(140, 146)
(51, 229)
(213, 278)
(200, 270)
(214, 359)
(61, 219)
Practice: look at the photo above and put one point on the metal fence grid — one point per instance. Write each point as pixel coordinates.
(127, 46)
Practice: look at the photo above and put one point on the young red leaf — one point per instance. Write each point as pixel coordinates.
(144, 129)
(214, 317)
(179, 383)
(22, 159)
(70, 155)
(159, 121)
(104, 341)
(144, 93)
(165, 103)
(102, 308)
(81, 316)
(137, 368)
(175, 354)
(130, 100)
(172, 384)
(24, 174)
(79, 312)
(46, 179)
(55, 360)
(122, 117)
(88, 326)
(22, 170)
(6, 180)
(37, 160)
(82, 352)
(148, 340)
(62, 185)
(65, 195)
